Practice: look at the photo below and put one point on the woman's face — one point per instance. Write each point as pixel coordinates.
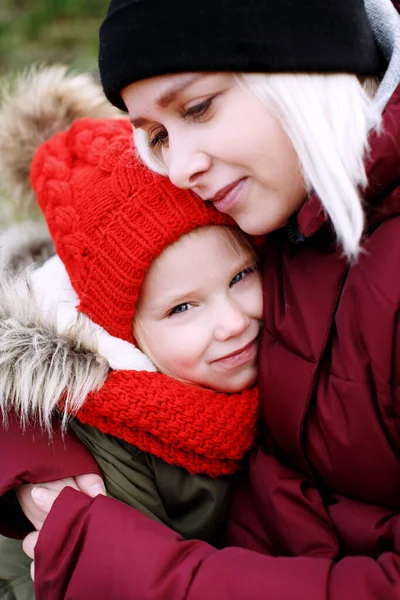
(218, 139)
(200, 309)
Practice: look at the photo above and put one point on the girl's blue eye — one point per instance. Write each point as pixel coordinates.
(240, 276)
(181, 308)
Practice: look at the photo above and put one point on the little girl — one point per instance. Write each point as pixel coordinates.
(139, 265)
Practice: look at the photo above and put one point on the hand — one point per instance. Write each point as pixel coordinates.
(37, 500)
(44, 497)
(28, 546)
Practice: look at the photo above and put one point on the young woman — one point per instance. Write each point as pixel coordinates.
(307, 151)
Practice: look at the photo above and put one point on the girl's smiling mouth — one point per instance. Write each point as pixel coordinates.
(239, 357)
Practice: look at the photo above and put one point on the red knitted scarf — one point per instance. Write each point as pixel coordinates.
(186, 425)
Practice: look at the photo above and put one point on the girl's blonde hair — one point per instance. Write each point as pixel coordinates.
(328, 118)
(243, 248)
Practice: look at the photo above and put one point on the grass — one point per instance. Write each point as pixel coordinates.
(50, 31)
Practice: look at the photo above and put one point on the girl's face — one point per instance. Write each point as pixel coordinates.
(200, 309)
(218, 139)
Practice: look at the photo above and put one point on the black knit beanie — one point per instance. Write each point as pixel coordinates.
(144, 38)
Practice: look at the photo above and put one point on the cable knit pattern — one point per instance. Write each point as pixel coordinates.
(110, 217)
(186, 425)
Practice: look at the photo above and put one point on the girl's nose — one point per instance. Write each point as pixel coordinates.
(185, 164)
(231, 321)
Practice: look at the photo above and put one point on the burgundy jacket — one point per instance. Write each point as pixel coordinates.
(317, 514)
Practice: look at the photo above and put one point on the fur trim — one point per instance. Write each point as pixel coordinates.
(25, 245)
(52, 287)
(38, 366)
(35, 105)
(48, 350)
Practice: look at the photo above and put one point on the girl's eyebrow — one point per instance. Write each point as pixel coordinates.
(171, 300)
(169, 95)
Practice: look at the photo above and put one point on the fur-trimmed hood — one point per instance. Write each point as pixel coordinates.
(49, 351)
(38, 365)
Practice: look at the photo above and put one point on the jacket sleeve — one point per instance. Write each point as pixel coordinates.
(117, 552)
(29, 456)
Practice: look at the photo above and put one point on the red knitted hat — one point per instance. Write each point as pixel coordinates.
(109, 216)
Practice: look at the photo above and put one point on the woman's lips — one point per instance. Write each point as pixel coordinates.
(228, 196)
(240, 357)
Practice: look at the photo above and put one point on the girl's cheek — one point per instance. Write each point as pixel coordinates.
(252, 299)
(256, 298)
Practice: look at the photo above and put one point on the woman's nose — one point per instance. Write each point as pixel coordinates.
(231, 321)
(185, 164)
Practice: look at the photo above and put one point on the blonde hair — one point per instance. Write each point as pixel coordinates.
(327, 117)
(243, 248)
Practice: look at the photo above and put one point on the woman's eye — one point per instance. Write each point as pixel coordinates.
(241, 276)
(181, 308)
(159, 139)
(198, 110)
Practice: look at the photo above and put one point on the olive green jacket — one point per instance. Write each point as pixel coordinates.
(193, 505)
(15, 578)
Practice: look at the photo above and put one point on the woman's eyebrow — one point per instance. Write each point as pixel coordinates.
(170, 94)
(139, 122)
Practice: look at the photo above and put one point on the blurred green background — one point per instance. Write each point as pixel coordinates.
(46, 31)
(50, 31)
